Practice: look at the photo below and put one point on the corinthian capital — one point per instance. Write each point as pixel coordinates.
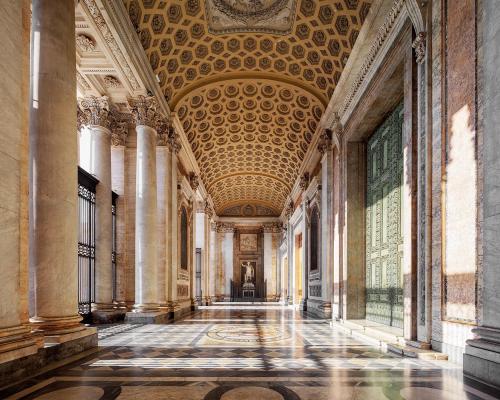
(95, 111)
(145, 111)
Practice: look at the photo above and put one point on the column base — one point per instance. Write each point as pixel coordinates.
(303, 305)
(17, 342)
(108, 316)
(51, 326)
(56, 348)
(151, 317)
(319, 308)
(482, 356)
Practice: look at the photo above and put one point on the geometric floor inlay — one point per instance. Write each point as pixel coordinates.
(242, 353)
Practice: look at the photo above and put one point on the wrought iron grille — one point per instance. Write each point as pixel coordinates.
(86, 241)
(113, 252)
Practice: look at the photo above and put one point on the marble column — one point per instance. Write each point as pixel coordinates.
(200, 244)
(118, 141)
(227, 253)
(337, 239)
(16, 340)
(98, 119)
(212, 263)
(326, 149)
(353, 233)
(304, 254)
(146, 307)
(163, 165)
(482, 354)
(53, 171)
(175, 145)
(268, 255)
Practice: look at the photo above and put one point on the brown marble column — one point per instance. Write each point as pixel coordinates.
(53, 169)
(16, 340)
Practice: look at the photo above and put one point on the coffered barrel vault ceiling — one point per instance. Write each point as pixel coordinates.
(249, 80)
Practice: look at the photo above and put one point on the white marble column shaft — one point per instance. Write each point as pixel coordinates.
(146, 267)
(327, 227)
(268, 265)
(172, 289)
(100, 167)
(227, 252)
(163, 166)
(212, 264)
(53, 168)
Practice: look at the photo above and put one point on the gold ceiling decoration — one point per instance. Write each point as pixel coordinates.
(239, 129)
(249, 80)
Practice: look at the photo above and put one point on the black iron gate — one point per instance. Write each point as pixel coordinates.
(113, 251)
(86, 242)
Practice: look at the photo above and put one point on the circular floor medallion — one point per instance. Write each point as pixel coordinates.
(248, 333)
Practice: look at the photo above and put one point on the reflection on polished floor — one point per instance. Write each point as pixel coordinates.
(244, 352)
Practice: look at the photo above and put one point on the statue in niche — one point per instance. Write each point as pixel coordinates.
(248, 274)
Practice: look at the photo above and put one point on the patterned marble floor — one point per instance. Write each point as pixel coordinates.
(244, 352)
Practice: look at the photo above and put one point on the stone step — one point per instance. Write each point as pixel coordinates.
(388, 341)
(413, 352)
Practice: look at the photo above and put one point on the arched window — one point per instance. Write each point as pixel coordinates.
(184, 239)
(314, 264)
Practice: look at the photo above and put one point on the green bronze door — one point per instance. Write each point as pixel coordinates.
(384, 240)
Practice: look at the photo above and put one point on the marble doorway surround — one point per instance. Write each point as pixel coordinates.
(244, 352)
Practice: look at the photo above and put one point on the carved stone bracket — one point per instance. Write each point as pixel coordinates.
(145, 111)
(95, 111)
(419, 45)
(304, 181)
(289, 210)
(325, 141)
(194, 182)
(337, 130)
(209, 210)
(173, 140)
(162, 129)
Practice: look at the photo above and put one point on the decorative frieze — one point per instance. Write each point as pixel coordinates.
(100, 22)
(223, 227)
(275, 227)
(419, 45)
(383, 32)
(95, 111)
(145, 111)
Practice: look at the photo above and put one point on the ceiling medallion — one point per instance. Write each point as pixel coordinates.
(270, 16)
